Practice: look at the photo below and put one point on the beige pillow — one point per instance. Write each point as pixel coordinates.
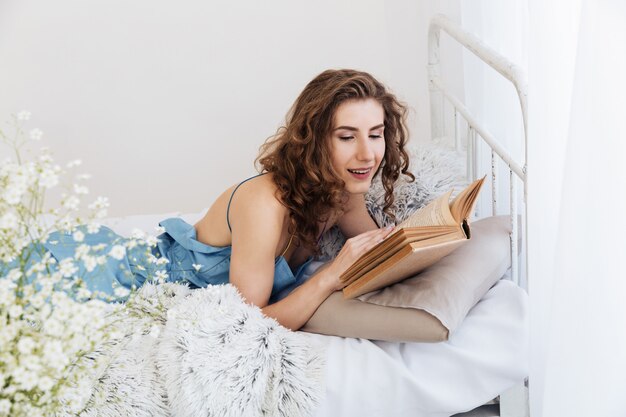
(427, 307)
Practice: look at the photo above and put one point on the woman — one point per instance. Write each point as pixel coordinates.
(344, 129)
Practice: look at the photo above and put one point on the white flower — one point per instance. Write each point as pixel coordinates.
(121, 292)
(13, 194)
(196, 266)
(36, 134)
(26, 345)
(162, 261)
(93, 227)
(152, 241)
(117, 252)
(53, 328)
(99, 203)
(48, 178)
(81, 189)
(90, 262)
(161, 276)
(14, 274)
(15, 311)
(67, 268)
(38, 301)
(45, 383)
(71, 202)
(78, 236)
(160, 229)
(81, 251)
(5, 407)
(74, 163)
(23, 115)
(137, 234)
(8, 221)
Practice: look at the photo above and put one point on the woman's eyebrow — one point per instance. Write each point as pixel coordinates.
(354, 129)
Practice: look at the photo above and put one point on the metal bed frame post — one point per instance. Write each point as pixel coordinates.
(513, 403)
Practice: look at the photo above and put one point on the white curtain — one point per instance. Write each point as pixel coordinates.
(578, 283)
(577, 188)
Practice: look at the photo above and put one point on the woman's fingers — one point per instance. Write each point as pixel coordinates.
(360, 244)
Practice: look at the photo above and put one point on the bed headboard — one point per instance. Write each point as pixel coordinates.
(439, 95)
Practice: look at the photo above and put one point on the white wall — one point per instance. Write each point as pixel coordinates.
(167, 103)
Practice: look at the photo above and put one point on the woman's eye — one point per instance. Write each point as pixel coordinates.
(345, 137)
(376, 136)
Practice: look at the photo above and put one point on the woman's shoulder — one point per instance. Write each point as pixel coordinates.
(260, 192)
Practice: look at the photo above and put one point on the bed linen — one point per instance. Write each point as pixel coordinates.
(484, 357)
(487, 354)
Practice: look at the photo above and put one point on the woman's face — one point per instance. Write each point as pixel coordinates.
(357, 142)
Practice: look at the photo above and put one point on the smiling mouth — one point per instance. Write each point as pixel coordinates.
(360, 171)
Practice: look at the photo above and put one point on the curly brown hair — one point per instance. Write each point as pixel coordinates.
(299, 154)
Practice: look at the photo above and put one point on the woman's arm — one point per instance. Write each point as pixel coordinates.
(297, 308)
(257, 220)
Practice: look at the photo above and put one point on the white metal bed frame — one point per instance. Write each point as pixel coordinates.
(514, 402)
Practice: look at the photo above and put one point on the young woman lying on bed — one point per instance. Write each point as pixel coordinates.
(343, 129)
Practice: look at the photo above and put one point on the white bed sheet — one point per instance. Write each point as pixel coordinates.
(485, 356)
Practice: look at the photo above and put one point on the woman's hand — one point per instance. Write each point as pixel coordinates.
(353, 249)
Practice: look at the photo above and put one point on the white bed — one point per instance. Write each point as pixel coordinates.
(483, 358)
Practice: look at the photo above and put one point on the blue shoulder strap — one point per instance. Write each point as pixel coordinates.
(231, 198)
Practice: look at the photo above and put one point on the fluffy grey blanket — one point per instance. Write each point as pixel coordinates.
(205, 353)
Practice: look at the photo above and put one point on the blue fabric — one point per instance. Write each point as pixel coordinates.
(178, 244)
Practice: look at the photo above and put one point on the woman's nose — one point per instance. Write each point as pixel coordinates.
(365, 151)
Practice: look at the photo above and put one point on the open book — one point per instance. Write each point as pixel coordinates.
(425, 237)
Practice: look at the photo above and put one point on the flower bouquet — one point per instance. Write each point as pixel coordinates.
(50, 322)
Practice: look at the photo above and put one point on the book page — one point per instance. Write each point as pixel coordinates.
(436, 213)
(463, 205)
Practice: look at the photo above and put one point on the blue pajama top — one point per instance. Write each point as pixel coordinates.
(190, 261)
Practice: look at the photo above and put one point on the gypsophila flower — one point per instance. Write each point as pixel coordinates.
(71, 202)
(93, 227)
(137, 234)
(74, 163)
(118, 252)
(5, 407)
(81, 189)
(67, 268)
(14, 274)
(161, 276)
(23, 115)
(151, 241)
(196, 267)
(25, 345)
(50, 322)
(99, 203)
(162, 261)
(78, 236)
(8, 221)
(160, 229)
(36, 134)
(121, 292)
(49, 177)
(15, 311)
